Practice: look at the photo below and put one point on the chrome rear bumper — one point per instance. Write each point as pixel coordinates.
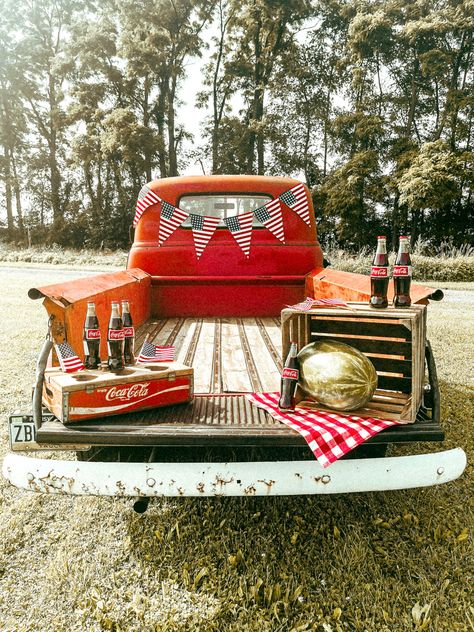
(278, 478)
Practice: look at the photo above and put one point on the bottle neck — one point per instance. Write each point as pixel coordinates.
(125, 308)
(403, 247)
(91, 310)
(381, 247)
(115, 313)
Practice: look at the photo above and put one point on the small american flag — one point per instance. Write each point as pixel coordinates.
(241, 228)
(146, 198)
(329, 435)
(150, 352)
(203, 228)
(311, 303)
(297, 199)
(68, 360)
(170, 218)
(270, 216)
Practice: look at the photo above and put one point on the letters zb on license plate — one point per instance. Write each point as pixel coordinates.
(22, 431)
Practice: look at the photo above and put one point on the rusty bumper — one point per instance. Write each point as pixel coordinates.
(279, 478)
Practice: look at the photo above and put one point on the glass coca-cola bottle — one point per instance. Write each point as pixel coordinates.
(289, 379)
(129, 334)
(115, 339)
(402, 275)
(379, 276)
(91, 338)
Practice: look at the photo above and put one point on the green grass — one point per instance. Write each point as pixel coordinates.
(382, 562)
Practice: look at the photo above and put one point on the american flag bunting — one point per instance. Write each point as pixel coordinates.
(146, 198)
(153, 353)
(170, 218)
(241, 228)
(68, 360)
(297, 199)
(203, 228)
(329, 435)
(311, 303)
(270, 215)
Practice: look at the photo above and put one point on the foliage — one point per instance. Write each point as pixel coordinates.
(370, 103)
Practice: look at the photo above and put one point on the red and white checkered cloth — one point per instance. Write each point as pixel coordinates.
(329, 435)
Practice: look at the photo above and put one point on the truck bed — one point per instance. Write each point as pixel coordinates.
(231, 357)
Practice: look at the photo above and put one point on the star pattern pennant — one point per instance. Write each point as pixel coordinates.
(203, 228)
(241, 228)
(170, 218)
(297, 199)
(270, 215)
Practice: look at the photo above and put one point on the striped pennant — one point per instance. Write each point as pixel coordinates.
(170, 218)
(241, 228)
(311, 303)
(329, 435)
(297, 199)
(203, 228)
(270, 216)
(146, 198)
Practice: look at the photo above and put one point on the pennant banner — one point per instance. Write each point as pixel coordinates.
(146, 198)
(270, 215)
(203, 228)
(170, 218)
(297, 200)
(241, 228)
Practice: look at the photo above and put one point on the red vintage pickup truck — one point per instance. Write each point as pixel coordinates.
(221, 311)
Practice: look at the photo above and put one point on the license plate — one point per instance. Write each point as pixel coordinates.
(22, 433)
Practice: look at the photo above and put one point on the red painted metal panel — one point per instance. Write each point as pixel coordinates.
(325, 282)
(67, 302)
(216, 298)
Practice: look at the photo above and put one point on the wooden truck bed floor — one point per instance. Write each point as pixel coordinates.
(230, 356)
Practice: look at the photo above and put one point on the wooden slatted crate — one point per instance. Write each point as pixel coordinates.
(393, 339)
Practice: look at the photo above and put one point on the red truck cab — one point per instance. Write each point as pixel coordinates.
(223, 281)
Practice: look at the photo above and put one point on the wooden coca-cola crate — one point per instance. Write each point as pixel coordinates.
(393, 339)
(88, 394)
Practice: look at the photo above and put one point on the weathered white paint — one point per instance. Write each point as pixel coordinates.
(279, 478)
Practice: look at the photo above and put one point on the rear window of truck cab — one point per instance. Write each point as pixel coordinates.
(222, 205)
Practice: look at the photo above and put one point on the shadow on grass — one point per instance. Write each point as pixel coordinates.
(300, 559)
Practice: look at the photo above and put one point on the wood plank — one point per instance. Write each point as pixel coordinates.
(235, 378)
(249, 359)
(268, 373)
(271, 333)
(204, 357)
(388, 329)
(392, 365)
(401, 349)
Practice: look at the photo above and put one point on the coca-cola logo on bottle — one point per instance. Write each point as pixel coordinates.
(401, 270)
(92, 334)
(116, 334)
(291, 374)
(128, 392)
(128, 332)
(379, 271)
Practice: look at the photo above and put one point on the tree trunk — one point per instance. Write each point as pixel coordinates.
(16, 187)
(7, 177)
(55, 177)
(172, 153)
